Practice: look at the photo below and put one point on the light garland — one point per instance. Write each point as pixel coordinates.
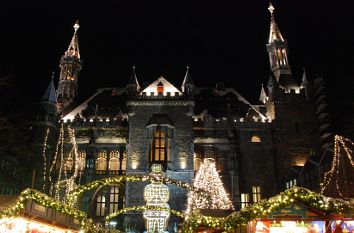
(48, 202)
(338, 157)
(207, 178)
(264, 207)
(45, 158)
(70, 198)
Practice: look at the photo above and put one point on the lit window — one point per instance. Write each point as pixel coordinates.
(160, 146)
(101, 162)
(81, 160)
(100, 205)
(114, 162)
(68, 166)
(197, 163)
(256, 193)
(113, 199)
(245, 200)
(255, 139)
(124, 162)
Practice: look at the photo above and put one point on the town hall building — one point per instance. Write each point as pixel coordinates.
(124, 130)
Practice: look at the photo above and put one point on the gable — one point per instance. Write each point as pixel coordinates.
(168, 88)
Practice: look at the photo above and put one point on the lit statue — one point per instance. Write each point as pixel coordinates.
(156, 195)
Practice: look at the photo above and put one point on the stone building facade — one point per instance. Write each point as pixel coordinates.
(125, 130)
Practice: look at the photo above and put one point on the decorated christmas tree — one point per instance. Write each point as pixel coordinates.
(339, 180)
(208, 180)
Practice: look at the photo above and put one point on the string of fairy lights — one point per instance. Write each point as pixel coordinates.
(341, 151)
(44, 155)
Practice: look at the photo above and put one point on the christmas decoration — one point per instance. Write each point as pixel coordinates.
(207, 178)
(156, 194)
(339, 180)
(264, 207)
(46, 201)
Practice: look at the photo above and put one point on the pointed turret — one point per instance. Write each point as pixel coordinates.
(277, 48)
(133, 85)
(188, 84)
(304, 81)
(70, 66)
(49, 95)
(272, 86)
(263, 96)
(49, 101)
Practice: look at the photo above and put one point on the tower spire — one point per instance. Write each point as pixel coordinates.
(263, 96)
(188, 84)
(73, 49)
(274, 32)
(70, 66)
(277, 48)
(133, 84)
(304, 81)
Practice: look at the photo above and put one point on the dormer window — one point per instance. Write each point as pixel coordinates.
(160, 88)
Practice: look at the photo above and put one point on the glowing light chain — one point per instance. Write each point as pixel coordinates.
(142, 208)
(340, 149)
(45, 158)
(86, 224)
(70, 198)
(264, 207)
(207, 178)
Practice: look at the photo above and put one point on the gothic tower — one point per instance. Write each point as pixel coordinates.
(70, 66)
(289, 106)
(277, 48)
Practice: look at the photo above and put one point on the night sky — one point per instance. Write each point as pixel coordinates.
(220, 40)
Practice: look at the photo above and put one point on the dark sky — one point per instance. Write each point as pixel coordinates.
(220, 40)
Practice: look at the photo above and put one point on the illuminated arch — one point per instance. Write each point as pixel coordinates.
(116, 180)
(256, 139)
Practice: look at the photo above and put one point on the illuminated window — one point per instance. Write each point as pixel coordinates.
(255, 139)
(113, 199)
(197, 163)
(256, 193)
(100, 205)
(124, 162)
(114, 162)
(245, 200)
(69, 163)
(160, 146)
(81, 160)
(101, 162)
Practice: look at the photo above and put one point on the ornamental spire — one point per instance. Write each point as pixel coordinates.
(187, 81)
(73, 49)
(274, 34)
(263, 96)
(304, 81)
(133, 80)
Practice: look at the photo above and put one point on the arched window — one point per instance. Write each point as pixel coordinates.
(124, 161)
(255, 139)
(69, 163)
(160, 145)
(113, 199)
(81, 160)
(101, 162)
(113, 165)
(197, 163)
(100, 205)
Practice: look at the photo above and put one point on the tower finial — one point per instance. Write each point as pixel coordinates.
(53, 74)
(271, 8)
